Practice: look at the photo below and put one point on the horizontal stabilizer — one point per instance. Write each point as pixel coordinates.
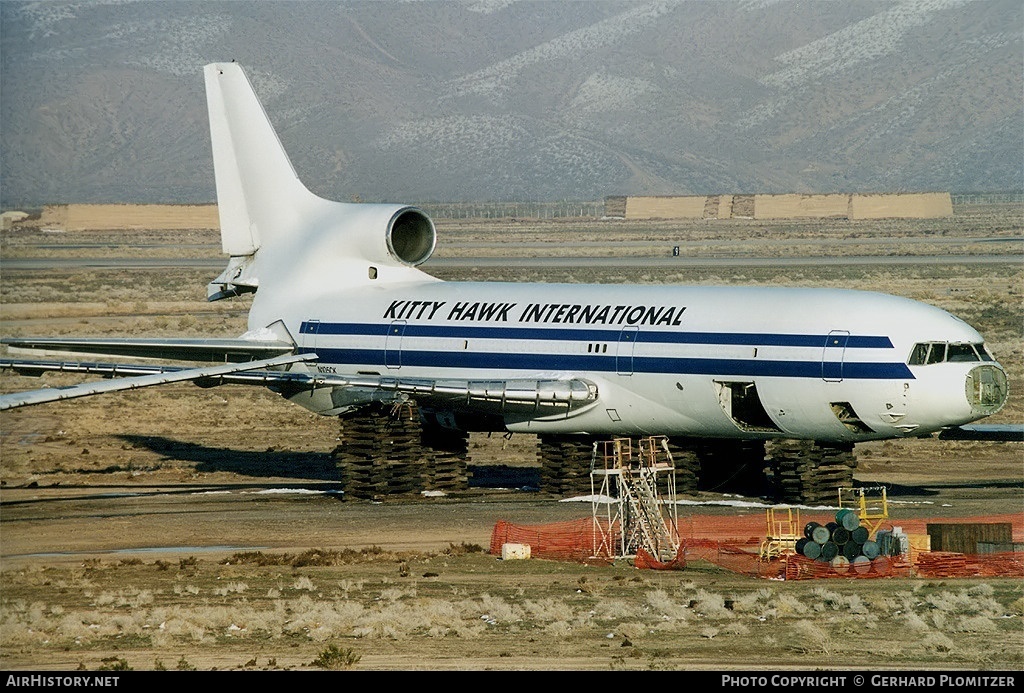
(159, 375)
(208, 350)
(239, 278)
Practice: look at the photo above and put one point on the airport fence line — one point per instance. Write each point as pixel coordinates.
(987, 198)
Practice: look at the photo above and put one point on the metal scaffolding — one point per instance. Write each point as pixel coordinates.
(634, 504)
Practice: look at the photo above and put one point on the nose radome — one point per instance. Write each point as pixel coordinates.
(986, 388)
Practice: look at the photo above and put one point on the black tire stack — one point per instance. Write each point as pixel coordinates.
(379, 452)
(565, 464)
(687, 464)
(806, 471)
(447, 459)
(384, 450)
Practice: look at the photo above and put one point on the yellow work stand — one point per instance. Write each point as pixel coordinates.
(870, 503)
(784, 529)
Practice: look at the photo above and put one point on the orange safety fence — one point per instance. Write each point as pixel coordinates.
(733, 543)
(645, 560)
(939, 564)
(572, 540)
(802, 568)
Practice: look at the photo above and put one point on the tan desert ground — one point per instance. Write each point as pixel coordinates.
(182, 528)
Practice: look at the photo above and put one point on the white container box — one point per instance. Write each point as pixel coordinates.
(511, 552)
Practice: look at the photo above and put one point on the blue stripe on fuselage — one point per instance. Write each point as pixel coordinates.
(568, 334)
(637, 364)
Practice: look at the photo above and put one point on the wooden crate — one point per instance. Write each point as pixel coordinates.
(964, 537)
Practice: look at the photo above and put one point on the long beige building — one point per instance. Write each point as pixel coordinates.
(789, 206)
(111, 217)
(88, 217)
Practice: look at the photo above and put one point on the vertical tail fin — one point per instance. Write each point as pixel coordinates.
(283, 240)
(255, 178)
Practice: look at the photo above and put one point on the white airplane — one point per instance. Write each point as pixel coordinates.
(342, 317)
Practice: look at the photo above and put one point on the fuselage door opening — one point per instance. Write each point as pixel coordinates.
(742, 404)
(832, 356)
(310, 329)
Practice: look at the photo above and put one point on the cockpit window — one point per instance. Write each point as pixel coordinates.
(937, 354)
(926, 353)
(958, 353)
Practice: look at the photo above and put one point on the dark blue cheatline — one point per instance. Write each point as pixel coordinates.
(579, 363)
(571, 334)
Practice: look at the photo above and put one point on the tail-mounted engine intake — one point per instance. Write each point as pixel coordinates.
(411, 236)
(381, 234)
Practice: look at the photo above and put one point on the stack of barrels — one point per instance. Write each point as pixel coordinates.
(844, 543)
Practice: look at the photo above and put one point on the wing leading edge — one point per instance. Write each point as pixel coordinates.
(158, 375)
(201, 350)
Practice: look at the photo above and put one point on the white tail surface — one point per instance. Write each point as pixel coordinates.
(287, 244)
(258, 191)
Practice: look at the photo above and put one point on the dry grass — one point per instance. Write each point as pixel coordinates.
(475, 607)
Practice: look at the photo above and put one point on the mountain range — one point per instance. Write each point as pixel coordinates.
(439, 100)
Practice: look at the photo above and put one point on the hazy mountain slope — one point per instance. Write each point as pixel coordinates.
(496, 100)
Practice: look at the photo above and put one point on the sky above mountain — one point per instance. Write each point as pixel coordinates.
(438, 100)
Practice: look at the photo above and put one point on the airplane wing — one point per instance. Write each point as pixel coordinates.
(523, 398)
(152, 375)
(543, 397)
(208, 350)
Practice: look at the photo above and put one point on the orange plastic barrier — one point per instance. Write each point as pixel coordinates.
(802, 568)
(733, 542)
(646, 560)
(571, 540)
(941, 564)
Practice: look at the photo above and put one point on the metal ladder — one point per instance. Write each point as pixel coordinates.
(637, 515)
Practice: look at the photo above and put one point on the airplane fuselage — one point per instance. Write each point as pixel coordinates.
(717, 362)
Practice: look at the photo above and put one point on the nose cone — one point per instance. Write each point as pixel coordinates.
(986, 388)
